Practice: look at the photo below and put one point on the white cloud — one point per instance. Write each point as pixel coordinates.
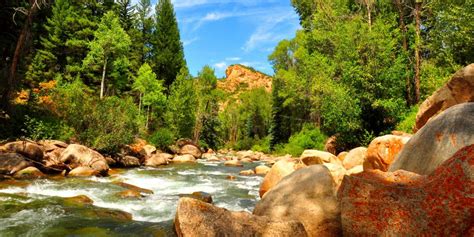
(220, 65)
(233, 59)
(273, 28)
(190, 41)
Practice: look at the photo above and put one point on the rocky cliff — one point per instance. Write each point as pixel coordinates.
(240, 78)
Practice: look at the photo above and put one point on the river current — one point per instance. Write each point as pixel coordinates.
(37, 208)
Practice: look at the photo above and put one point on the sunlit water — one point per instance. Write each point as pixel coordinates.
(39, 210)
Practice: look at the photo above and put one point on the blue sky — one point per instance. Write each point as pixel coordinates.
(224, 32)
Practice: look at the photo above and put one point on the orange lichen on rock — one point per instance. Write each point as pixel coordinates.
(405, 203)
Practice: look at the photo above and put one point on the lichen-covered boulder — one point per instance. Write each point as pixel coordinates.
(77, 155)
(308, 195)
(382, 151)
(459, 89)
(437, 141)
(402, 203)
(200, 219)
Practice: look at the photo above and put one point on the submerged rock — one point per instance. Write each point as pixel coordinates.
(133, 187)
(78, 200)
(382, 151)
(196, 218)
(438, 140)
(308, 195)
(403, 203)
(247, 172)
(129, 194)
(235, 163)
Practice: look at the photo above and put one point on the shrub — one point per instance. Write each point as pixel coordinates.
(162, 138)
(308, 138)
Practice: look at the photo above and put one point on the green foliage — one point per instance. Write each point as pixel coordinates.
(162, 138)
(102, 124)
(408, 122)
(168, 49)
(108, 52)
(181, 108)
(46, 128)
(151, 90)
(308, 138)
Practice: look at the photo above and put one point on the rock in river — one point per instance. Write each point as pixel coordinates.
(196, 218)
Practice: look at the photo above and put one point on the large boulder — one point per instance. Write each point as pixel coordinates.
(128, 161)
(402, 203)
(337, 172)
(50, 145)
(355, 157)
(262, 170)
(147, 150)
(158, 159)
(438, 140)
(184, 159)
(191, 149)
(459, 89)
(12, 162)
(29, 173)
(315, 157)
(29, 149)
(382, 151)
(309, 196)
(78, 155)
(197, 218)
(83, 171)
(279, 170)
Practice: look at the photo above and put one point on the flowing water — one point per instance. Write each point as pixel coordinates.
(38, 208)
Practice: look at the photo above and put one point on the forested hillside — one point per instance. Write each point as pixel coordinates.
(102, 73)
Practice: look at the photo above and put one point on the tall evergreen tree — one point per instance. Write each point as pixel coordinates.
(125, 12)
(168, 49)
(145, 26)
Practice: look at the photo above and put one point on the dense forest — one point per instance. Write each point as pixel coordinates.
(102, 73)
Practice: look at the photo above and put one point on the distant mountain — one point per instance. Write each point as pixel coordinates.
(242, 78)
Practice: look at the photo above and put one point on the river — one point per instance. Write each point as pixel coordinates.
(37, 208)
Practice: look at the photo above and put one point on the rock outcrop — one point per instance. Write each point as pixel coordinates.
(402, 203)
(238, 76)
(382, 151)
(29, 149)
(459, 89)
(438, 140)
(196, 218)
(308, 195)
(77, 155)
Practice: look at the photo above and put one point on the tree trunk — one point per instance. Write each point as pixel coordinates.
(20, 44)
(417, 50)
(140, 104)
(403, 30)
(369, 13)
(147, 118)
(102, 82)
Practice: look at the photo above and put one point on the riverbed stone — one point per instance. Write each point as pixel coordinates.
(130, 194)
(78, 200)
(196, 218)
(354, 158)
(83, 171)
(158, 159)
(247, 172)
(29, 173)
(308, 195)
(133, 187)
(129, 161)
(382, 151)
(201, 196)
(190, 149)
(28, 149)
(12, 162)
(459, 89)
(235, 163)
(402, 203)
(78, 155)
(262, 170)
(184, 159)
(279, 170)
(437, 141)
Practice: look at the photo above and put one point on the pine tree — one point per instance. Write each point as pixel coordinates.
(108, 51)
(168, 49)
(278, 130)
(125, 12)
(145, 26)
